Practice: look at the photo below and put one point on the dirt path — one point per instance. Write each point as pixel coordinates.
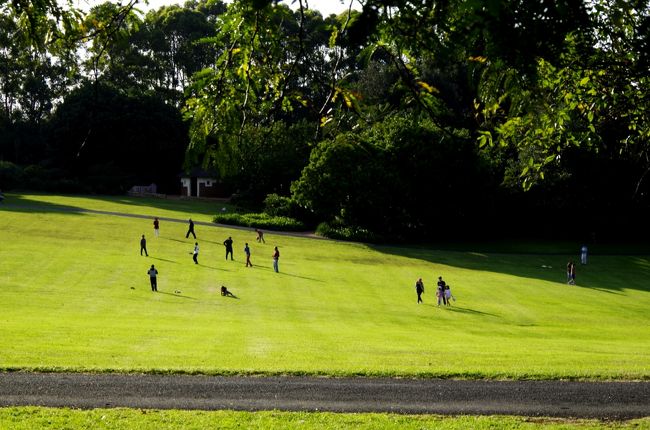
(603, 400)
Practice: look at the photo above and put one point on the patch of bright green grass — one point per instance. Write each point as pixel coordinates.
(75, 296)
(30, 418)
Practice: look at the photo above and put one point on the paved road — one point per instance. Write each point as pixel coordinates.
(604, 400)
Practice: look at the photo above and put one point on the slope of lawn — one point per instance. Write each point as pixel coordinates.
(30, 418)
(75, 296)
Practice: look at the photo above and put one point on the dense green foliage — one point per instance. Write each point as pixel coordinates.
(76, 296)
(261, 220)
(408, 119)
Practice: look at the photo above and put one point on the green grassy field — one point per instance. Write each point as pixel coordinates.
(30, 418)
(75, 296)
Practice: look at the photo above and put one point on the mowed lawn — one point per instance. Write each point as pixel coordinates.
(75, 295)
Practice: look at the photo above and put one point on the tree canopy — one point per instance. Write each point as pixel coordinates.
(397, 118)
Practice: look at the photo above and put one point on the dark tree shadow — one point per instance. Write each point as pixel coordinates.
(608, 274)
(14, 203)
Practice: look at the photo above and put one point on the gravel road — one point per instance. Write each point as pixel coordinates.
(603, 400)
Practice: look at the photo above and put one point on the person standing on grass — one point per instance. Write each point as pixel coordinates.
(448, 295)
(190, 229)
(573, 273)
(152, 278)
(583, 254)
(228, 244)
(419, 289)
(156, 226)
(440, 292)
(247, 251)
(195, 254)
(569, 271)
(260, 235)
(276, 257)
(143, 246)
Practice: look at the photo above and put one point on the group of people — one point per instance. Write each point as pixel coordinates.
(228, 244)
(443, 291)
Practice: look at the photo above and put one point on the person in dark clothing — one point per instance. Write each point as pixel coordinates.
(190, 229)
(419, 289)
(228, 244)
(247, 251)
(260, 235)
(152, 278)
(571, 273)
(143, 246)
(226, 293)
(156, 227)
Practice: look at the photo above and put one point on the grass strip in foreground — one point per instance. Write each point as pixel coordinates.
(33, 417)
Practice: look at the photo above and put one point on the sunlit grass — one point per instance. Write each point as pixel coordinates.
(75, 296)
(30, 418)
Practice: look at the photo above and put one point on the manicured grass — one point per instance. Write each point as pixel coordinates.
(30, 418)
(75, 296)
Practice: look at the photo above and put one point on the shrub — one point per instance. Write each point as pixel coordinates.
(261, 220)
(350, 233)
(11, 175)
(276, 205)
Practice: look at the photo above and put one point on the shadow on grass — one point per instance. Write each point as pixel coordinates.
(610, 274)
(175, 204)
(214, 268)
(177, 295)
(163, 259)
(281, 273)
(18, 203)
(461, 310)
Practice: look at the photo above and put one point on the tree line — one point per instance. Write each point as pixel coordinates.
(407, 119)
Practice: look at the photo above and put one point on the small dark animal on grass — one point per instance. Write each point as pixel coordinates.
(225, 292)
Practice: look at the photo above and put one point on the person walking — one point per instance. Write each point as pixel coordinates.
(228, 244)
(190, 229)
(152, 278)
(247, 251)
(276, 257)
(143, 246)
(583, 254)
(156, 227)
(195, 254)
(419, 289)
(260, 235)
(440, 292)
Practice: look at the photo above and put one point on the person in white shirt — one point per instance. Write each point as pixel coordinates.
(195, 254)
